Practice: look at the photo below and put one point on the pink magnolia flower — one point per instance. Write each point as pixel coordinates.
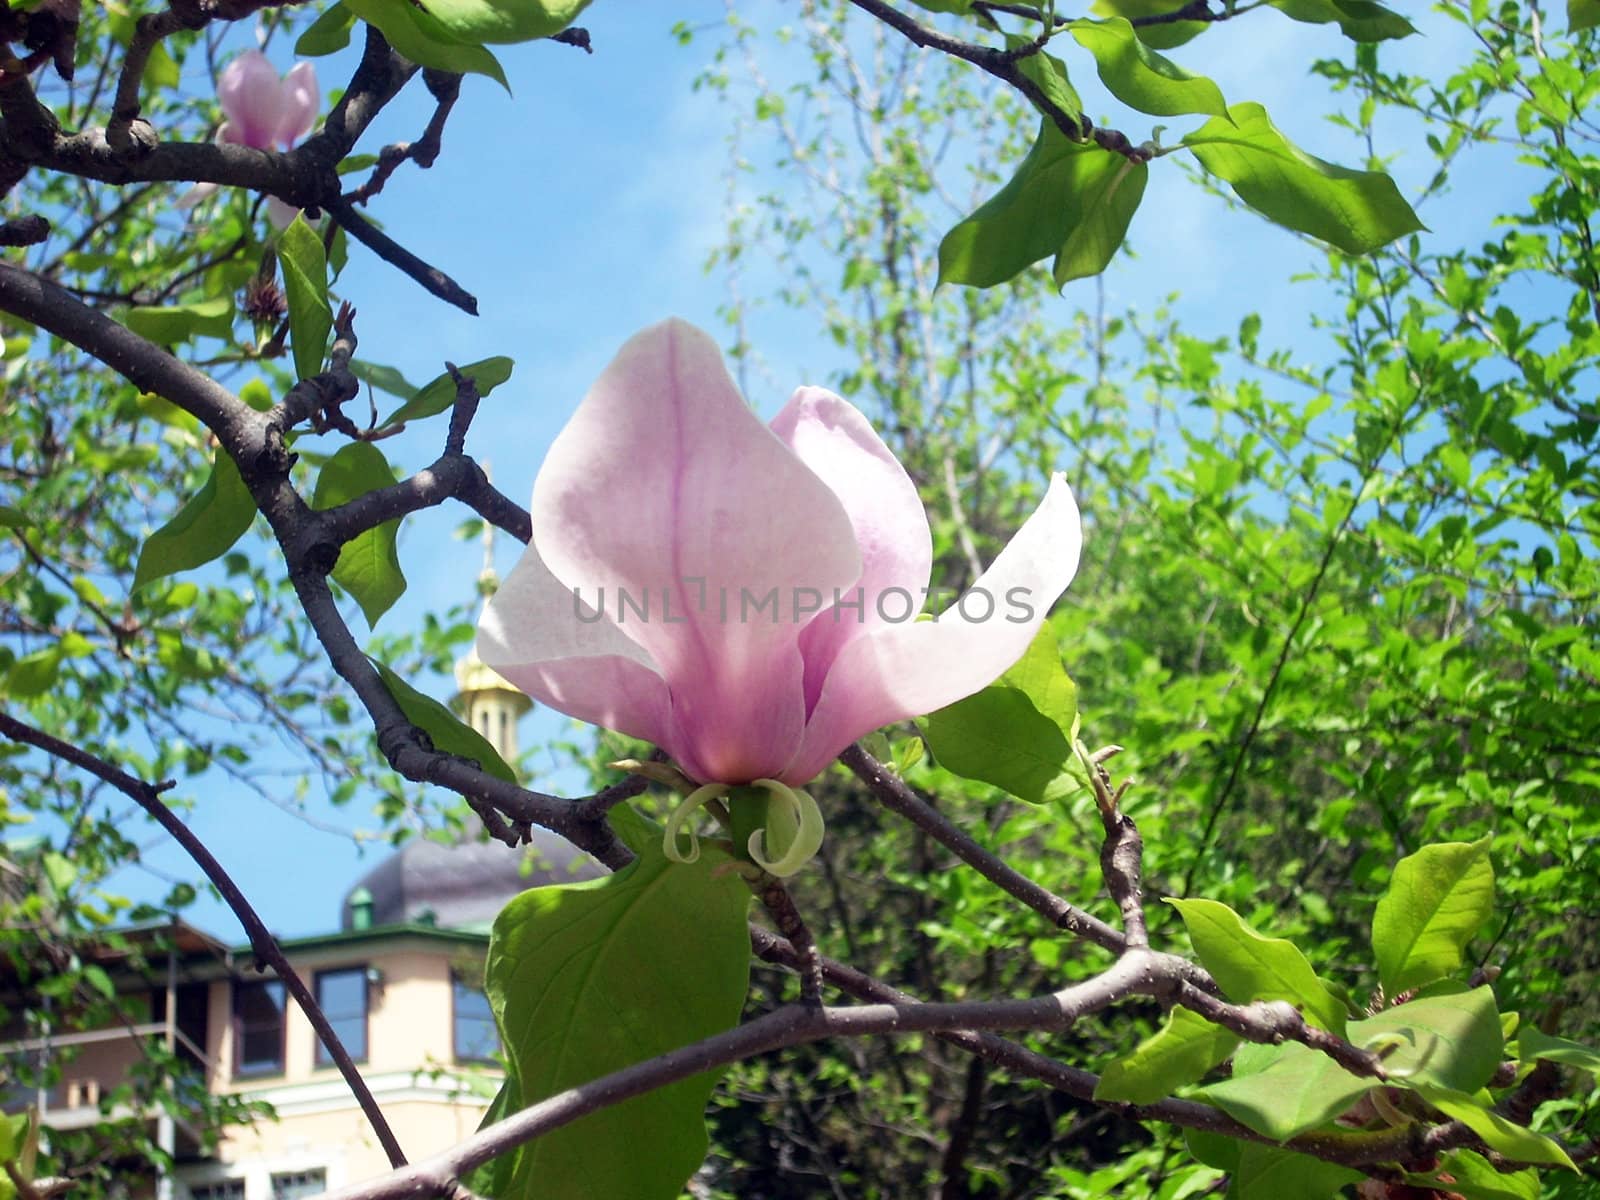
(744, 596)
(265, 112)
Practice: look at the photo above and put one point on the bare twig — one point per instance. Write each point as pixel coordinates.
(392, 252)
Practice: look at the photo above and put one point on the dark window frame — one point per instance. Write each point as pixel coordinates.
(315, 1179)
(458, 983)
(262, 1070)
(320, 1057)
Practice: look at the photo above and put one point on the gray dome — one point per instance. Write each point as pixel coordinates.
(467, 884)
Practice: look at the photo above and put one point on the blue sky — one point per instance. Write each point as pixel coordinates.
(585, 206)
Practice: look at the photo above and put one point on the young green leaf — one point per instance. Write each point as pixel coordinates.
(1049, 72)
(588, 978)
(305, 286)
(205, 528)
(1180, 1052)
(1358, 20)
(474, 22)
(1356, 211)
(385, 379)
(1437, 899)
(1163, 36)
(1298, 1089)
(447, 732)
(1582, 14)
(419, 38)
(1017, 732)
(1070, 200)
(33, 674)
(1452, 1040)
(1516, 1142)
(1467, 1173)
(1140, 77)
(1249, 966)
(439, 393)
(177, 323)
(328, 34)
(369, 565)
(1268, 1173)
(1531, 1044)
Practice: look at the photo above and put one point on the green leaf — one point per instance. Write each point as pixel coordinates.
(368, 566)
(1452, 1040)
(1213, 1149)
(1298, 1089)
(1582, 14)
(1070, 200)
(1141, 78)
(1268, 1173)
(328, 34)
(1248, 966)
(179, 322)
(588, 978)
(1356, 211)
(959, 7)
(1437, 900)
(474, 22)
(439, 393)
(447, 732)
(205, 528)
(1516, 1142)
(1049, 72)
(1016, 733)
(12, 518)
(1531, 1044)
(1469, 1174)
(385, 379)
(305, 285)
(61, 873)
(1180, 1052)
(33, 674)
(417, 37)
(8, 1138)
(1161, 37)
(1359, 20)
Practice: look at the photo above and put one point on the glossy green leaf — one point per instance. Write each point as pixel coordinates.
(1298, 1089)
(1437, 900)
(1516, 1142)
(305, 285)
(60, 871)
(445, 730)
(205, 528)
(1582, 14)
(1140, 77)
(588, 978)
(1358, 20)
(385, 379)
(439, 393)
(177, 323)
(1050, 73)
(1248, 966)
(1453, 1040)
(1467, 1173)
(959, 7)
(1532, 1044)
(1016, 733)
(369, 565)
(1068, 200)
(1268, 1173)
(1160, 37)
(1180, 1052)
(417, 37)
(1356, 211)
(328, 34)
(33, 674)
(474, 22)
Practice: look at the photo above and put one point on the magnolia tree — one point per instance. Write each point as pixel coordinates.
(747, 601)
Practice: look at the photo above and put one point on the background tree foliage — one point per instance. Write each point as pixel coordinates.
(1333, 613)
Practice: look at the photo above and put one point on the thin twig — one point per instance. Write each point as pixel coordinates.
(393, 253)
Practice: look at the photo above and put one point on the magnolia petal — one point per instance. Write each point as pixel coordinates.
(538, 637)
(665, 488)
(298, 100)
(194, 195)
(280, 213)
(901, 671)
(248, 91)
(831, 437)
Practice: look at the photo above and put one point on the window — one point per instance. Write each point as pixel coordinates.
(222, 1189)
(342, 996)
(291, 1185)
(258, 1028)
(476, 1038)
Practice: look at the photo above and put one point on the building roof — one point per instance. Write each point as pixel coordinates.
(465, 885)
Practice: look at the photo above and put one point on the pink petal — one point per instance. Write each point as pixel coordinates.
(905, 670)
(280, 213)
(891, 528)
(665, 487)
(194, 195)
(298, 101)
(533, 634)
(248, 91)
